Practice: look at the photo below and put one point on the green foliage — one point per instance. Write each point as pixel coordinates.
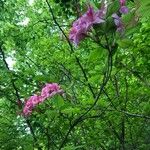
(121, 117)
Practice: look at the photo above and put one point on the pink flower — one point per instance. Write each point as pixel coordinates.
(123, 9)
(27, 111)
(85, 23)
(122, 2)
(56, 92)
(36, 100)
(118, 22)
(77, 34)
(93, 17)
(31, 103)
(82, 23)
(50, 89)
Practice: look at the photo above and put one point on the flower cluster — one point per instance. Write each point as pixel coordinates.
(48, 91)
(85, 23)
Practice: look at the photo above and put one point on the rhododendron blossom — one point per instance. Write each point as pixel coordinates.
(48, 91)
(122, 2)
(92, 17)
(85, 23)
(118, 22)
(31, 103)
(123, 8)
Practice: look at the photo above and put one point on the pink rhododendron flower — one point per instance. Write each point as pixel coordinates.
(48, 91)
(77, 33)
(30, 104)
(85, 23)
(123, 9)
(122, 2)
(92, 17)
(118, 22)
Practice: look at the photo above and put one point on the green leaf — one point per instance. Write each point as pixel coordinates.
(58, 101)
(125, 43)
(112, 8)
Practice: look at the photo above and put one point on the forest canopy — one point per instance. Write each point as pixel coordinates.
(74, 75)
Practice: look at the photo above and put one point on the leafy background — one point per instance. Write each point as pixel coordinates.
(33, 42)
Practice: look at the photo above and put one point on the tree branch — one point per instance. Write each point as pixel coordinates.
(18, 97)
(71, 47)
(105, 79)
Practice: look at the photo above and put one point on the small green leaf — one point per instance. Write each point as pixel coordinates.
(125, 43)
(113, 8)
(58, 101)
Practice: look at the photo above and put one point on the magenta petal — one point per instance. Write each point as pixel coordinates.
(84, 24)
(89, 15)
(118, 23)
(122, 2)
(124, 10)
(49, 88)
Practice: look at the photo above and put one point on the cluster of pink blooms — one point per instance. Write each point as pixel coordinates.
(85, 23)
(48, 91)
